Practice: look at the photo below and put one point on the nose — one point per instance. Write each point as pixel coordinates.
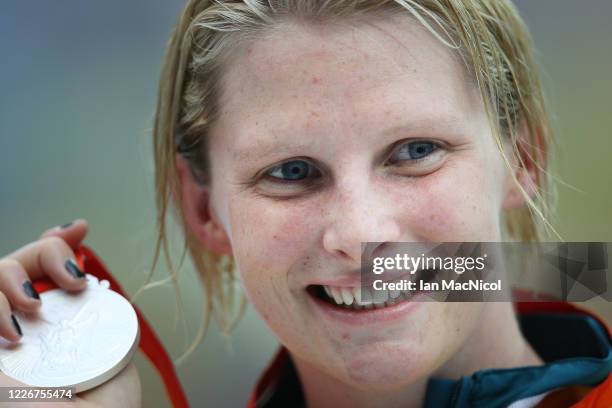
(359, 213)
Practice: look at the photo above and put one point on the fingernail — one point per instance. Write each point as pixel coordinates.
(73, 268)
(16, 324)
(30, 291)
(67, 225)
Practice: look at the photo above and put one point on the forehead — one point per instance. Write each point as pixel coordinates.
(301, 77)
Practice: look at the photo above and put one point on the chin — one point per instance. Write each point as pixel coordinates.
(386, 366)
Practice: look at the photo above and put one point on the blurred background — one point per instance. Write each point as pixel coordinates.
(78, 82)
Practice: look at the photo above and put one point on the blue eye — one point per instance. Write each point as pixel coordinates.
(414, 151)
(293, 170)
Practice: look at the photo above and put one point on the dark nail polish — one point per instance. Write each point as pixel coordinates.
(16, 324)
(67, 225)
(73, 268)
(29, 290)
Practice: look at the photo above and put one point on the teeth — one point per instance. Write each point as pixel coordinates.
(380, 297)
(406, 293)
(356, 295)
(347, 296)
(362, 298)
(366, 297)
(336, 295)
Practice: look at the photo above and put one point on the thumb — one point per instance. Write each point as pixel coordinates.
(73, 233)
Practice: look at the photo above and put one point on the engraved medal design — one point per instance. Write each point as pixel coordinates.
(77, 339)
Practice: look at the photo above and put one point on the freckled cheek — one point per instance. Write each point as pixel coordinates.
(448, 205)
(268, 240)
(278, 312)
(263, 231)
(264, 277)
(265, 285)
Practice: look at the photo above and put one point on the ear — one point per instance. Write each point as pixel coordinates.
(532, 153)
(199, 214)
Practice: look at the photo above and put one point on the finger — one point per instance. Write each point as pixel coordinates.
(73, 232)
(10, 328)
(51, 256)
(17, 287)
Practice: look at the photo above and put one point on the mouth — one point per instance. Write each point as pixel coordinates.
(363, 299)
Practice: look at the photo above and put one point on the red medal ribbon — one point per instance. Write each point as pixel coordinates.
(149, 342)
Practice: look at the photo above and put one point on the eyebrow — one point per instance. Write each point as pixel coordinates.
(429, 126)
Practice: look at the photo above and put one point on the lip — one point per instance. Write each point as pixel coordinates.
(355, 280)
(369, 316)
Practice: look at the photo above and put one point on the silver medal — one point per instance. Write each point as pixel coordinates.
(77, 339)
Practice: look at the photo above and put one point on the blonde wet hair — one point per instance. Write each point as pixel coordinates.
(488, 35)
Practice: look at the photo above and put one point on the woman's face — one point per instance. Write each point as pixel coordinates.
(330, 137)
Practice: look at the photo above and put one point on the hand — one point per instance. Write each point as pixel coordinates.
(52, 255)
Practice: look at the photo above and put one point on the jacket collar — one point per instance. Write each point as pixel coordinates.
(575, 345)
